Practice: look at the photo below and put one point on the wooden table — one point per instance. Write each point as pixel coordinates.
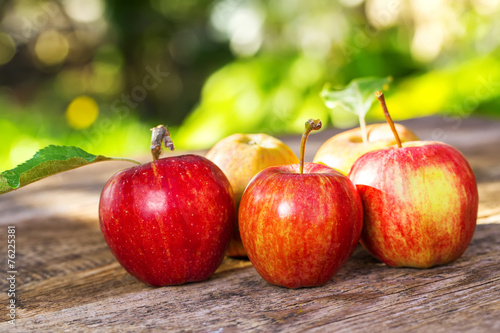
(67, 279)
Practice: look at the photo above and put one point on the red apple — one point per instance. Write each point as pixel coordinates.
(300, 223)
(170, 221)
(420, 202)
(242, 156)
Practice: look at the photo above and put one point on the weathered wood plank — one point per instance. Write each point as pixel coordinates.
(364, 295)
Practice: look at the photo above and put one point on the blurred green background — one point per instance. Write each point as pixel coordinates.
(99, 73)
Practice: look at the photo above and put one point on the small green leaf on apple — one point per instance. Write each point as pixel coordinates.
(356, 97)
(46, 162)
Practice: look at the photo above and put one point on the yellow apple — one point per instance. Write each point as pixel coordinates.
(342, 150)
(242, 156)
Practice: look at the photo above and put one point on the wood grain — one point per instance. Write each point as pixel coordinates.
(69, 281)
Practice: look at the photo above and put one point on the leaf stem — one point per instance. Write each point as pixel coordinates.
(160, 134)
(380, 97)
(125, 160)
(362, 125)
(311, 125)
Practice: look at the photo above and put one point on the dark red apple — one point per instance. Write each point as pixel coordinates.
(300, 223)
(170, 221)
(420, 202)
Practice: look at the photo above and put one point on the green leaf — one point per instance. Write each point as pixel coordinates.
(356, 98)
(47, 162)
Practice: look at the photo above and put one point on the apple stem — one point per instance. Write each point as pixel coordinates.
(380, 96)
(362, 125)
(160, 134)
(311, 125)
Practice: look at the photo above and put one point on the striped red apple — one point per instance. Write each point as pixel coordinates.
(420, 202)
(300, 223)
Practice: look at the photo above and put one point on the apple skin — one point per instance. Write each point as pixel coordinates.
(342, 150)
(300, 229)
(170, 221)
(420, 203)
(242, 156)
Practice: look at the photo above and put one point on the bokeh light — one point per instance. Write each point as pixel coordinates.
(7, 48)
(82, 112)
(383, 14)
(240, 23)
(428, 41)
(51, 48)
(92, 11)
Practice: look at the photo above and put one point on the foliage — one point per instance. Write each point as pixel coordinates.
(233, 66)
